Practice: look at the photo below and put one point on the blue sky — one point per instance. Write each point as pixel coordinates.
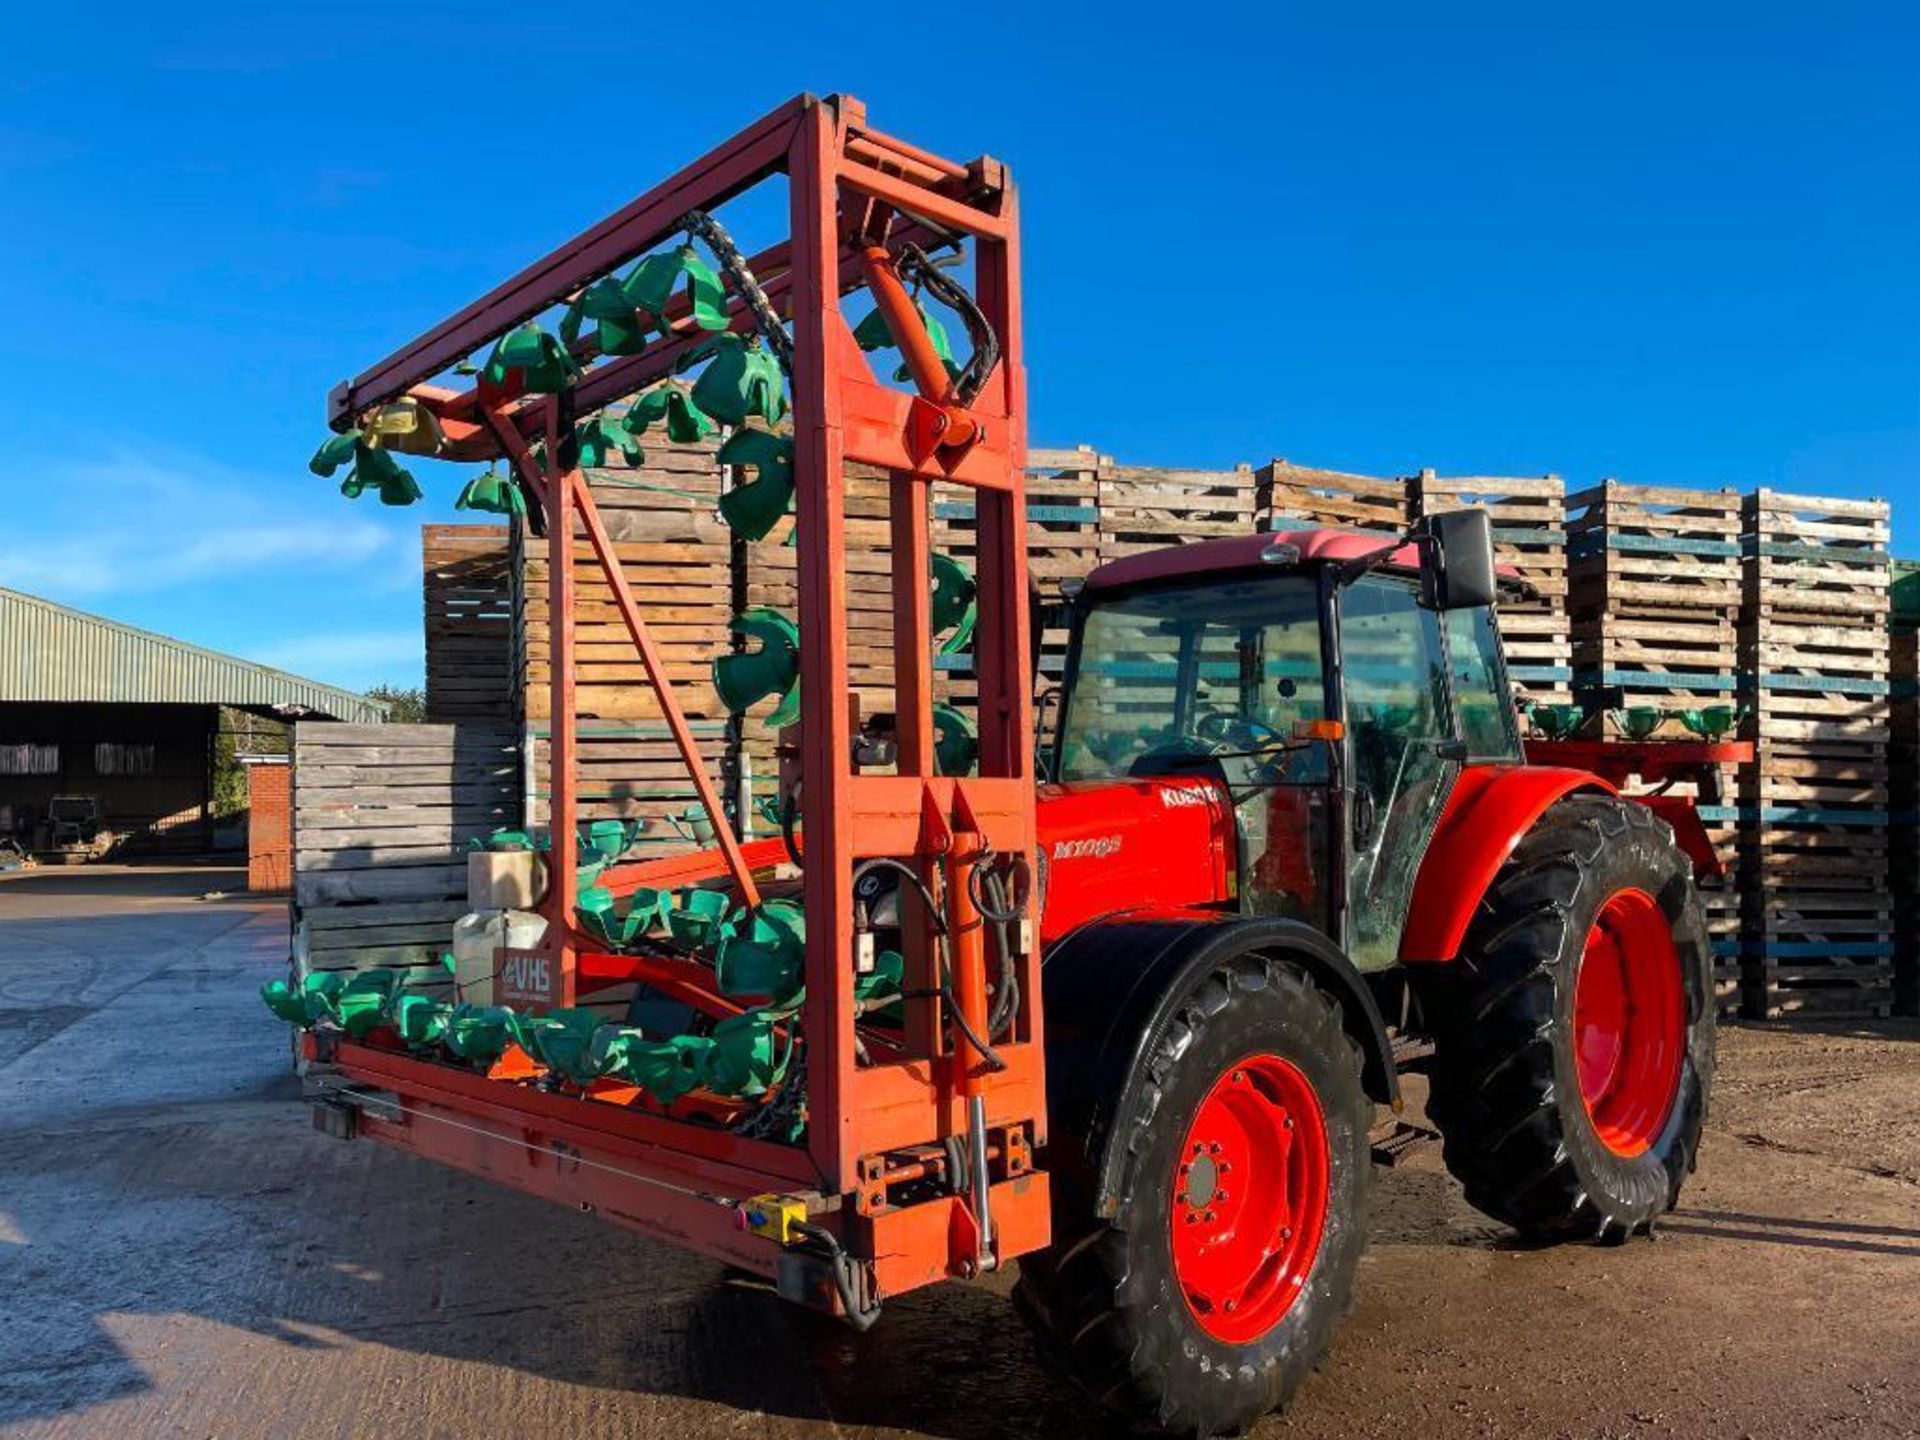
(1676, 244)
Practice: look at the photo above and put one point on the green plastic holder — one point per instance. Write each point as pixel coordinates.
(361, 1005)
(748, 1058)
(685, 422)
(768, 957)
(883, 981)
(505, 840)
(373, 468)
(610, 839)
(955, 747)
(541, 361)
(307, 1003)
(953, 603)
(1712, 723)
(601, 437)
(741, 381)
(744, 680)
(562, 1040)
(480, 1033)
(419, 1020)
(492, 493)
(600, 916)
(1555, 722)
(649, 286)
(665, 1069)
(753, 509)
(699, 918)
(1638, 722)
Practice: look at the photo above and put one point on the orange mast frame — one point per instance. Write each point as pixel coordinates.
(857, 196)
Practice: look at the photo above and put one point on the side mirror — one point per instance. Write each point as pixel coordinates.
(1456, 571)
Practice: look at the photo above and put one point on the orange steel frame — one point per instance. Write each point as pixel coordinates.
(856, 195)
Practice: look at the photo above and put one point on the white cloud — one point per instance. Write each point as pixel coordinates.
(134, 522)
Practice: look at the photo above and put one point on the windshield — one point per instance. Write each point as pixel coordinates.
(1193, 669)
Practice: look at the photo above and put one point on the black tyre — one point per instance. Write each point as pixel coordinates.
(1574, 1039)
(1215, 1286)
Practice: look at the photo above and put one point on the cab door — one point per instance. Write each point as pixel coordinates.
(1401, 755)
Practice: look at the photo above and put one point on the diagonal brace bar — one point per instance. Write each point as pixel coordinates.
(683, 737)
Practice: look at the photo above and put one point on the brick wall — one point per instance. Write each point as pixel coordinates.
(269, 834)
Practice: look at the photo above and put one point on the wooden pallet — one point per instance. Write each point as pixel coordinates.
(1813, 556)
(467, 590)
(381, 819)
(1904, 792)
(1529, 534)
(1289, 497)
(1652, 551)
(1685, 660)
(1145, 507)
(677, 557)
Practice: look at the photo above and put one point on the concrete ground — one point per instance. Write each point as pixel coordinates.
(181, 1255)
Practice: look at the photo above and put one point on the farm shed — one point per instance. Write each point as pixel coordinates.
(123, 722)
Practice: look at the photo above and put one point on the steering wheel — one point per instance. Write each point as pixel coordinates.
(1223, 727)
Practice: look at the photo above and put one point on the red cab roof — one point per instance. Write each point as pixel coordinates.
(1246, 552)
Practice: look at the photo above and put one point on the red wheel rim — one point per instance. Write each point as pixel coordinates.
(1250, 1198)
(1629, 1022)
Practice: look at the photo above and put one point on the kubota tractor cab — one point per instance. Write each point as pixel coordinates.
(1289, 801)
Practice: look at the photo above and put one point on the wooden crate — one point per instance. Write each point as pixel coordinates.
(1290, 496)
(1653, 578)
(677, 556)
(381, 819)
(1063, 543)
(1653, 551)
(1904, 784)
(1530, 534)
(1145, 507)
(468, 590)
(1809, 555)
(1816, 672)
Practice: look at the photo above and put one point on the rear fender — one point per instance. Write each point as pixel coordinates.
(1112, 987)
(1490, 809)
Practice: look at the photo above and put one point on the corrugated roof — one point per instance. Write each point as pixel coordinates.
(49, 652)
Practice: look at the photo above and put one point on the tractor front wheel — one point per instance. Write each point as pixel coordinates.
(1574, 1039)
(1199, 1301)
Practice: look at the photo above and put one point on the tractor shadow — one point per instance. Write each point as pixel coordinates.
(1900, 1242)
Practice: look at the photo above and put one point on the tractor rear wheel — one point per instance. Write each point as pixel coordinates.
(1213, 1288)
(1574, 1040)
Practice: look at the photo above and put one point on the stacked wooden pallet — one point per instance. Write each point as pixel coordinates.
(1654, 604)
(381, 819)
(1289, 495)
(1814, 651)
(1905, 771)
(1146, 507)
(1063, 543)
(676, 555)
(467, 585)
(1529, 534)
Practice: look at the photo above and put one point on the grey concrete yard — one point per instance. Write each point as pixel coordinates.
(182, 1255)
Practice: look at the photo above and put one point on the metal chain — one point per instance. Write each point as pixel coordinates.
(766, 320)
(915, 265)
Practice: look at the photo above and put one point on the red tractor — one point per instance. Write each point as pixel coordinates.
(1143, 975)
(1289, 804)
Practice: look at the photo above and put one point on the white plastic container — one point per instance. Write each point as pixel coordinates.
(475, 938)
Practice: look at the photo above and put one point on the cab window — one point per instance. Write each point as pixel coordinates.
(1483, 708)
